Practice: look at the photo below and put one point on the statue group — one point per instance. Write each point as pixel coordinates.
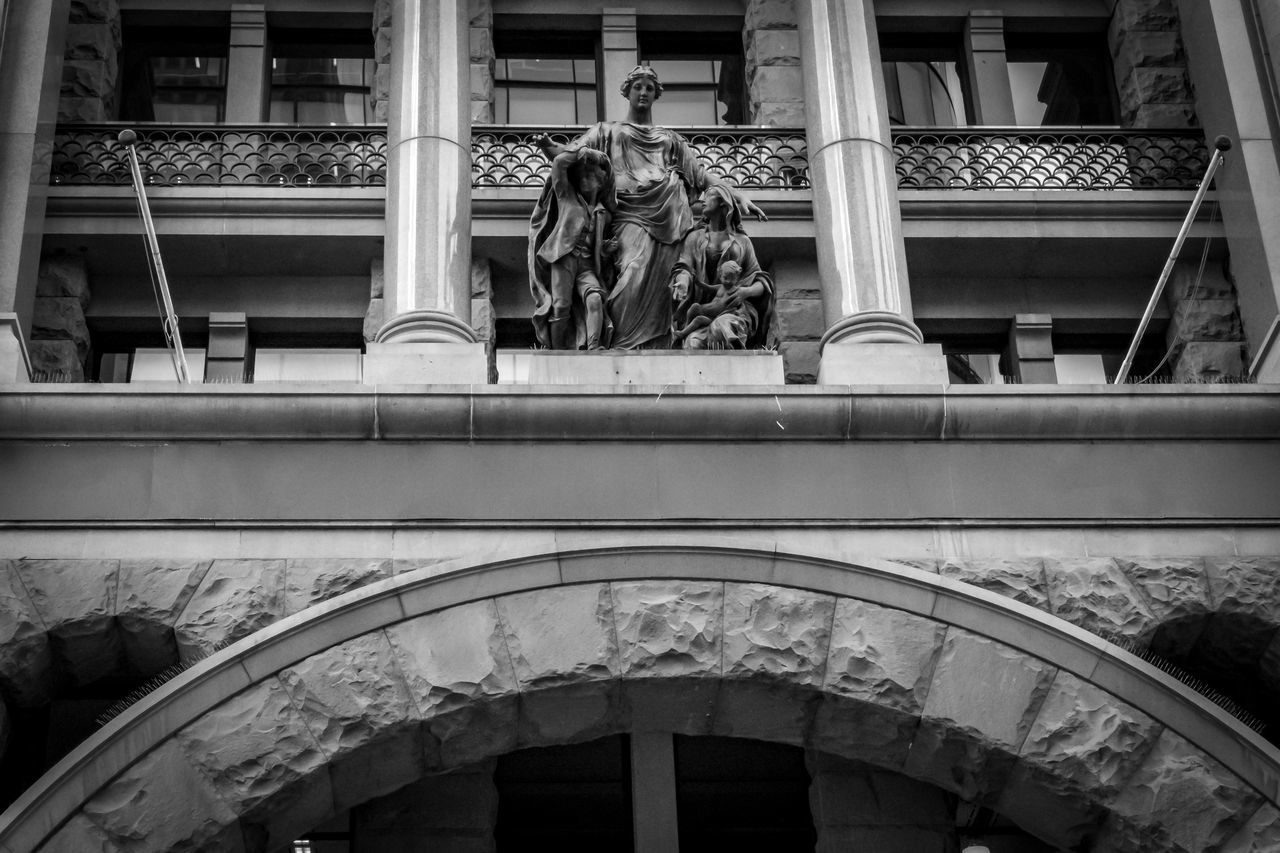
(618, 260)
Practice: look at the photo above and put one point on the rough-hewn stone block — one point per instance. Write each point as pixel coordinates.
(800, 361)
(982, 702)
(773, 47)
(26, 660)
(1209, 361)
(1186, 282)
(1248, 585)
(480, 41)
(770, 14)
(312, 581)
(481, 82)
(1155, 86)
(482, 319)
(160, 803)
(230, 746)
(1145, 15)
(668, 628)
(58, 359)
(60, 318)
(89, 11)
(856, 729)
(151, 595)
(560, 636)
(1088, 739)
(381, 14)
(481, 12)
(91, 41)
(458, 669)
(776, 83)
(61, 275)
(800, 319)
(1162, 116)
(481, 278)
(1145, 48)
(76, 600)
(1204, 320)
(82, 110)
(1094, 594)
(78, 835)
(1021, 580)
(1177, 778)
(236, 598)
(776, 633)
(89, 78)
(882, 656)
(374, 317)
(1260, 835)
(777, 114)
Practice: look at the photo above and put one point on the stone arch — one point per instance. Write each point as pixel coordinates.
(887, 664)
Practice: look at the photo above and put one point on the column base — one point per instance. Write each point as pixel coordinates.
(15, 363)
(426, 364)
(848, 363)
(425, 327)
(873, 327)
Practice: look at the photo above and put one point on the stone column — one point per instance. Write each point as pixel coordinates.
(621, 54)
(1031, 349)
(859, 807)
(427, 255)
(858, 227)
(31, 59)
(248, 64)
(988, 69)
(453, 813)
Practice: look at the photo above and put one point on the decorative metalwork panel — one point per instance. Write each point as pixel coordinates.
(751, 158)
(1048, 160)
(225, 156)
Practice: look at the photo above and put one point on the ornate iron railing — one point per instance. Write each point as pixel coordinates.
(750, 157)
(226, 155)
(753, 158)
(1049, 159)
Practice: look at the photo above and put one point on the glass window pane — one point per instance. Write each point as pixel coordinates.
(540, 70)
(687, 107)
(187, 105)
(500, 105)
(683, 70)
(587, 106)
(541, 106)
(1025, 79)
(924, 93)
(201, 71)
(585, 70)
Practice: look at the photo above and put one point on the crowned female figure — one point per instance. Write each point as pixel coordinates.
(656, 176)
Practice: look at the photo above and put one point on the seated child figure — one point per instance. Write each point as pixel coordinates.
(576, 249)
(726, 320)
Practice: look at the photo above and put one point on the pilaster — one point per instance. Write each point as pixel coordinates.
(984, 54)
(621, 54)
(248, 63)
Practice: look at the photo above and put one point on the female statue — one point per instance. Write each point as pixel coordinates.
(656, 175)
(723, 299)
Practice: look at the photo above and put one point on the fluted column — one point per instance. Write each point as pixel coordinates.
(428, 247)
(861, 257)
(427, 256)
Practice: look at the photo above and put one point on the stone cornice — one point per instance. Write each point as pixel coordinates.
(315, 412)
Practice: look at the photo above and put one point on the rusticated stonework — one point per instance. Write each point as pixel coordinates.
(449, 689)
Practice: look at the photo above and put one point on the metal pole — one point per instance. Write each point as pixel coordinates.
(172, 336)
(1220, 145)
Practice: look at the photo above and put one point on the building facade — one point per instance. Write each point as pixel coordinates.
(913, 577)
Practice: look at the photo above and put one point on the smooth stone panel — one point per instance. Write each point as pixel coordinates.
(674, 367)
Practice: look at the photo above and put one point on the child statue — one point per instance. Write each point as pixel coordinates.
(726, 320)
(568, 250)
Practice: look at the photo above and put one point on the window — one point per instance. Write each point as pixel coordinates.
(174, 74)
(321, 76)
(702, 76)
(923, 79)
(545, 78)
(1060, 79)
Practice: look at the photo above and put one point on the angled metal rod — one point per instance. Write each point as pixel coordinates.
(1220, 145)
(172, 337)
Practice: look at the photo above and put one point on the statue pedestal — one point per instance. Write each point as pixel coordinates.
(882, 364)
(640, 367)
(425, 364)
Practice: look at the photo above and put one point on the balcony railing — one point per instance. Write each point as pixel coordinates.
(753, 158)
